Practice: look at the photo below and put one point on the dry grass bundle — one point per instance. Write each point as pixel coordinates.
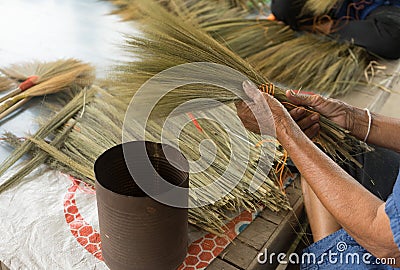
(49, 78)
(55, 123)
(312, 62)
(332, 69)
(44, 70)
(74, 151)
(167, 41)
(5, 83)
(129, 10)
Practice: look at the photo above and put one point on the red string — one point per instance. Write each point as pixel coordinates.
(195, 122)
(28, 83)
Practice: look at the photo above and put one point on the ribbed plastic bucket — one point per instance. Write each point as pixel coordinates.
(138, 232)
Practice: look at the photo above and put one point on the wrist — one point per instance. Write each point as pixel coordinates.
(361, 123)
(289, 135)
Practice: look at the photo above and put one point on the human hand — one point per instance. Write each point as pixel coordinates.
(264, 113)
(337, 111)
(306, 120)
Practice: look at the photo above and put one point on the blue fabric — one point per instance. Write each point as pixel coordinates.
(339, 251)
(392, 209)
(360, 9)
(345, 252)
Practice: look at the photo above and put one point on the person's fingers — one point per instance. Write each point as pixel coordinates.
(297, 113)
(240, 106)
(312, 131)
(308, 121)
(260, 99)
(245, 114)
(306, 100)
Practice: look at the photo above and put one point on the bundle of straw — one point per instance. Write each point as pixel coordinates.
(5, 83)
(313, 62)
(129, 10)
(56, 126)
(168, 41)
(44, 70)
(74, 151)
(43, 78)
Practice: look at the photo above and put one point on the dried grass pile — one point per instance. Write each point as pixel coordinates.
(128, 9)
(313, 62)
(79, 138)
(93, 120)
(167, 41)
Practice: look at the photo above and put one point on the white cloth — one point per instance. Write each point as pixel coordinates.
(34, 233)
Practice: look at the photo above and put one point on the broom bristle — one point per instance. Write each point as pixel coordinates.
(129, 10)
(280, 53)
(45, 70)
(169, 41)
(5, 84)
(314, 63)
(80, 76)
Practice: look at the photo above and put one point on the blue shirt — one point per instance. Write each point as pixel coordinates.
(360, 9)
(392, 209)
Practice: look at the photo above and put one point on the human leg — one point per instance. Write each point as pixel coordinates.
(322, 223)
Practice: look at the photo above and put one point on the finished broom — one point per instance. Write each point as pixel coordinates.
(5, 83)
(40, 79)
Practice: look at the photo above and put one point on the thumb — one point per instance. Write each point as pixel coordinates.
(304, 100)
(252, 91)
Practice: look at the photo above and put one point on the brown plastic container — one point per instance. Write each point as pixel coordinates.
(138, 232)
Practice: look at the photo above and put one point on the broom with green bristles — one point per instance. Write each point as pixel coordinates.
(313, 62)
(168, 41)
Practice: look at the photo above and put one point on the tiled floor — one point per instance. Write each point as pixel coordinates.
(377, 99)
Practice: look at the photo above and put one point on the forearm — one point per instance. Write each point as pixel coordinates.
(384, 130)
(352, 205)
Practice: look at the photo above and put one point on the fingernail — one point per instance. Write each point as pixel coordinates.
(247, 83)
(315, 117)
